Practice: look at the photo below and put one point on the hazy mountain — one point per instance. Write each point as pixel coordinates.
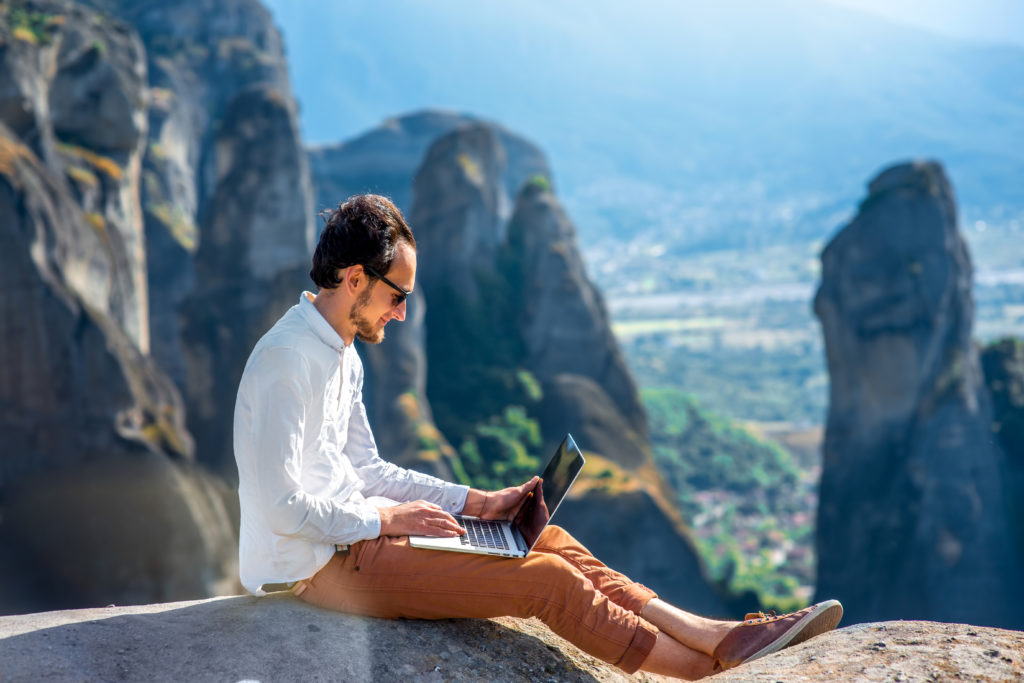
(720, 122)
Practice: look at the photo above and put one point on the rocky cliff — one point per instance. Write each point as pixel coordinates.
(567, 334)
(89, 422)
(280, 638)
(1003, 364)
(913, 517)
(507, 295)
(226, 196)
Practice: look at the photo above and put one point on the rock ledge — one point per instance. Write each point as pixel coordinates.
(279, 638)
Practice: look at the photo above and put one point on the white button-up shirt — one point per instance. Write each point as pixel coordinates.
(309, 476)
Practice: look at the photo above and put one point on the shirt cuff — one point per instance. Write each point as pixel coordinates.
(372, 522)
(454, 498)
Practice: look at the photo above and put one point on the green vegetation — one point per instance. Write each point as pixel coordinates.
(540, 181)
(700, 450)
(499, 452)
(750, 504)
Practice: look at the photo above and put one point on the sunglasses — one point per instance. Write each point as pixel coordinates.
(402, 294)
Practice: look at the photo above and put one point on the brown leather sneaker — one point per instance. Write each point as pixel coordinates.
(762, 634)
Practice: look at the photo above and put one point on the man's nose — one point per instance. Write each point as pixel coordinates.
(398, 312)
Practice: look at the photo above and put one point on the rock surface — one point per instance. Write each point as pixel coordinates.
(913, 519)
(224, 164)
(72, 89)
(520, 284)
(565, 327)
(252, 263)
(1003, 363)
(280, 638)
(894, 651)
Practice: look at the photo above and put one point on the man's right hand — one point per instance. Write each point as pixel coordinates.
(417, 518)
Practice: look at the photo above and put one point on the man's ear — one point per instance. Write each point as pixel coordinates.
(351, 277)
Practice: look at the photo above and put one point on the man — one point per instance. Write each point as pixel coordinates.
(324, 515)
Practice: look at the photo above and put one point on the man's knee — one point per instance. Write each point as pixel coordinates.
(554, 578)
(554, 535)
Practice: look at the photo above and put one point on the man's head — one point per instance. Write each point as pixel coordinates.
(364, 265)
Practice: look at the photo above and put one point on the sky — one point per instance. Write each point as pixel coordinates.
(778, 104)
(998, 21)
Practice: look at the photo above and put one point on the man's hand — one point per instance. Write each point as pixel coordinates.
(503, 504)
(417, 518)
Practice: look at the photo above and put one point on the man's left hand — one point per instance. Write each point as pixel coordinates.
(503, 504)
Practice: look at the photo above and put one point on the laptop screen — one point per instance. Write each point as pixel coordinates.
(555, 480)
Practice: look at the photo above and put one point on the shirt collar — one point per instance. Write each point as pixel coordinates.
(327, 334)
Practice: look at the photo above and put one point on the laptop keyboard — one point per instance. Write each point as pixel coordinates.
(482, 534)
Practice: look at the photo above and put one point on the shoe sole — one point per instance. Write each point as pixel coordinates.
(823, 618)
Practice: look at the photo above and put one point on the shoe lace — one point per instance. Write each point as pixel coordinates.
(758, 617)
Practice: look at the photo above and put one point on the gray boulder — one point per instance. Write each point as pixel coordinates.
(913, 521)
(280, 638)
(893, 651)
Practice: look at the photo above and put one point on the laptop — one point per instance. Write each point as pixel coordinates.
(516, 538)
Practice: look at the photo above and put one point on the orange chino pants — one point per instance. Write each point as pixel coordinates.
(560, 582)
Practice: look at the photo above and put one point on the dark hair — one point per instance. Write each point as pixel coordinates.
(366, 230)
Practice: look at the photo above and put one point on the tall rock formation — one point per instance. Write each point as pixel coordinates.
(99, 500)
(567, 334)
(1003, 364)
(384, 161)
(226, 197)
(515, 295)
(913, 520)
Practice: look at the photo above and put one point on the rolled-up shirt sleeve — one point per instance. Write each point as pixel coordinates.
(280, 405)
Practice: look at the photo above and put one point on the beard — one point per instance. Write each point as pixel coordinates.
(365, 330)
